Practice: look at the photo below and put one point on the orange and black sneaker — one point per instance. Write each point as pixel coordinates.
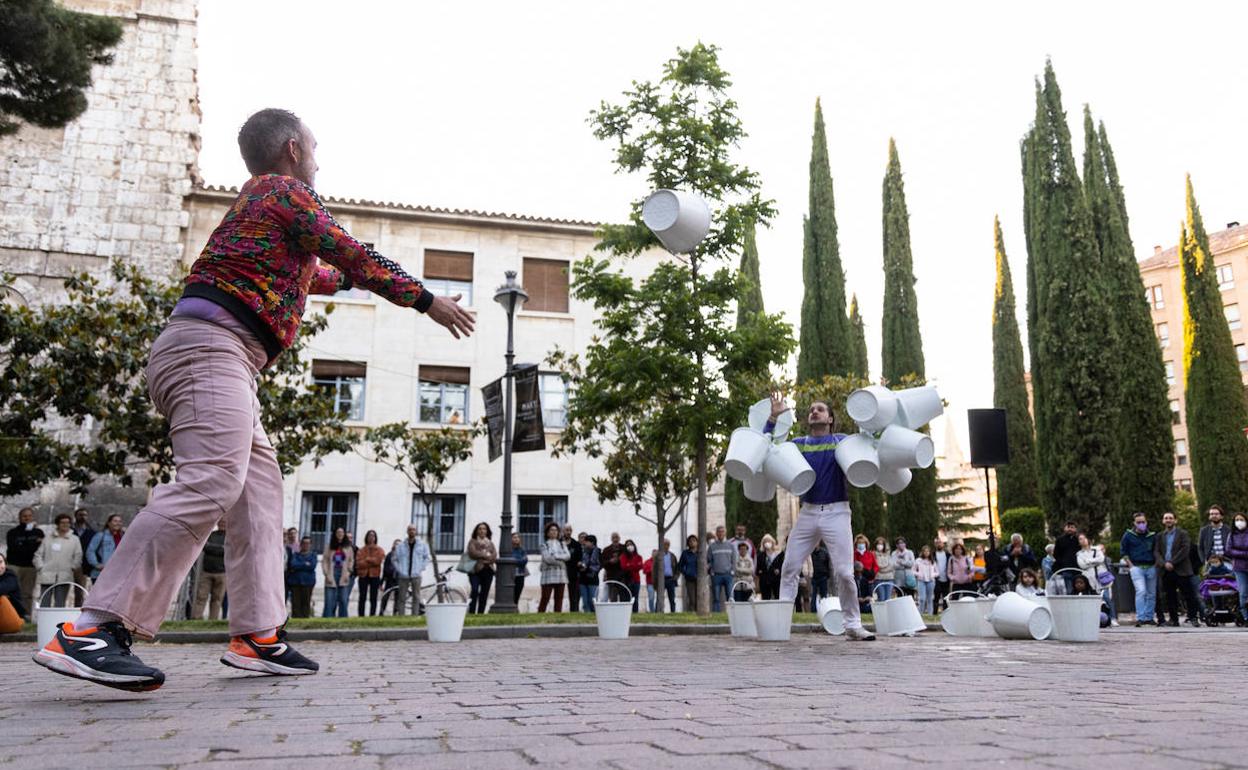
(267, 656)
(101, 655)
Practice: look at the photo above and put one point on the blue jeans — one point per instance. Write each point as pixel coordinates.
(1145, 581)
(927, 592)
(1241, 584)
(1108, 597)
(717, 582)
(587, 597)
(336, 598)
(650, 595)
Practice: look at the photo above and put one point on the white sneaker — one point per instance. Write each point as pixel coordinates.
(859, 634)
(1113, 624)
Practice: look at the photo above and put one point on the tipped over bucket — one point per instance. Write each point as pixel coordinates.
(859, 460)
(831, 616)
(917, 407)
(786, 466)
(1015, 617)
(894, 480)
(680, 219)
(872, 407)
(747, 450)
(906, 448)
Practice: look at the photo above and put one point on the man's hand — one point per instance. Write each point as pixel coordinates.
(778, 406)
(447, 312)
(1169, 567)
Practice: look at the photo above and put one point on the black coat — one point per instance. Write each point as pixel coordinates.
(1065, 552)
(574, 559)
(769, 574)
(9, 587)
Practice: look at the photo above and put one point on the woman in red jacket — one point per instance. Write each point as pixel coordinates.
(864, 556)
(631, 565)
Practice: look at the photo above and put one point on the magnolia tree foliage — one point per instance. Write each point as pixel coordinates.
(666, 365)
(73, 397)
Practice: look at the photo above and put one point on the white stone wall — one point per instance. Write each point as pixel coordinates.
(113, 182)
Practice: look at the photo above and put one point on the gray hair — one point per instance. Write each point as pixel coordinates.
(1016, 535)
(264, 135)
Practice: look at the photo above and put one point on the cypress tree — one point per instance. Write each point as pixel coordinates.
(1145, 440)
(1071, 332)
(824, 342)
(867, 505)
(1216, 414)
(913, 513)
(1016, 482)
(758, 518)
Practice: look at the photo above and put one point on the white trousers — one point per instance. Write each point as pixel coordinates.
(831, 523)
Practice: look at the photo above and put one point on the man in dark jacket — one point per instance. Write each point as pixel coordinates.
(590, 565)
(1137, 553)
(1172, 551)
(1066, 554)
(573, 545)
(23, 542)
(821, 570)
(611, 569)
(1214, 535)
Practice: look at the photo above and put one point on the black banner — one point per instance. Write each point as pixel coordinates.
(493, 394)
(528, 435)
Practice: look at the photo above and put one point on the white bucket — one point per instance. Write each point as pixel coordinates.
(858, 459)
(896, 617)
(905, 448)
(1015, 617)
(773, 619)
(831, 616)
(48, 618)
(965, 616)
(613, 617)
(741, 616)
(759, 488)
(446, 621)
(747, 450)
(917, 407)
(872, 407)
(894, 480)
(786, 466)
(680, 219)
(1076, 618)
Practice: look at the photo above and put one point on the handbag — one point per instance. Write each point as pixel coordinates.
(912, 582)
(1104, 577)
(466, 564)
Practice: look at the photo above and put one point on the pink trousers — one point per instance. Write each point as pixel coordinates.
(202, 378)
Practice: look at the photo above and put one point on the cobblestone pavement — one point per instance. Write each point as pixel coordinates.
(1138, 699)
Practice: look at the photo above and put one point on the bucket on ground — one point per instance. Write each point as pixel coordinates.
(894, 480)
(917, 407)
(1016, 617)
(741, 615)
(859, 460)
(445, 610)
(48, 618)
(831, 616)
(1076, 617)
(758, 488)
(747, 449)
(872, 407)
(774, 619)
(613, 618)
(966, 616)
(786, 466)
(905, 448)
(680, 219)
(897, 615)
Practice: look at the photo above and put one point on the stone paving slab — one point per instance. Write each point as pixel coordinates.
(817, 701)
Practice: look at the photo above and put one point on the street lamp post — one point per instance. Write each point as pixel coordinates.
(511, 296)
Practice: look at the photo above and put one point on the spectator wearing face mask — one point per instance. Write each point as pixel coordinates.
(865, 556)
(903, 568)
(770, 562)
(1237, 550)
(883, 570)
(631, 565)
(1137, 553)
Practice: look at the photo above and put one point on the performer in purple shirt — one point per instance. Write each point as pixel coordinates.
(824, 514)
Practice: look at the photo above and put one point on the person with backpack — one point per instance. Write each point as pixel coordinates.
(103, 544)
(588, 569)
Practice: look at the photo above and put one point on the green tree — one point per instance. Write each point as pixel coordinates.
(80, 363)
(913, 513)
(1145, 440)
(1070, 331)
(758, 518)
(953, 513)
(1016, 482)
(425, 458)
(825, 338)
(1028, 522)
(46, 56)
(669, 355)
(867, 505)
(1216, 415)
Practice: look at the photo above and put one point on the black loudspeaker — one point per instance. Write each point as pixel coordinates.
(989, 447)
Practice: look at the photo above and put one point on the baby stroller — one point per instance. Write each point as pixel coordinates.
(1221, 601)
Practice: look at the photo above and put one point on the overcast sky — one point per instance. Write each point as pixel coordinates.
(483, 106)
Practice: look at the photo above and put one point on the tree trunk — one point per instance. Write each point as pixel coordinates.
(660, 581)
(704, 578)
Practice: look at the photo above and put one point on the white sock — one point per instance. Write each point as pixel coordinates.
(95, 618)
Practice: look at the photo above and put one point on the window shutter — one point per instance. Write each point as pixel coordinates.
(449, 265)
(446, 375)
(546, 281)
(328, 368)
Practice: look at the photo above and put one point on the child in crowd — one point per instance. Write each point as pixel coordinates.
(1215, 567)
(1028, 583)
(864, 587)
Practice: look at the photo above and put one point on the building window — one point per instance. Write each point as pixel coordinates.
(1176, 416)
(546, 281)
(535, 514)
(1226, 277)
(1232, 316)
(324, 512)
(1180, 451)
(444, 394)
(344, 381)
(1163, 335)
(1184, 485)
(1241, 353)
(448, 522)
(1154, 296)
(554, 400)
(448, 273)
(1170, 373)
